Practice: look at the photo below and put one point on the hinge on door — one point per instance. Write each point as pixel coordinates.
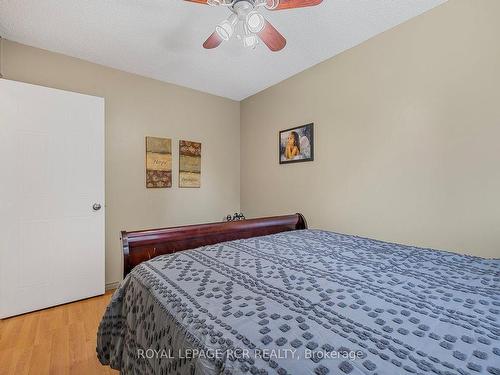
(1, 56)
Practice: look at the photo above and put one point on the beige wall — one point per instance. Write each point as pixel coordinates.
(137, 107)
(407, 130)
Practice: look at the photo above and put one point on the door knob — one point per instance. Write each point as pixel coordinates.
(96, 207)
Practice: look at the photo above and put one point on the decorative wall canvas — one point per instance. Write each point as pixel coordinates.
(296, 144)
(158, 162)
(189, 164)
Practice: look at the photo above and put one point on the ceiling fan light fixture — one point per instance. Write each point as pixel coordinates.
(250, 41)
(225, 29)
(271, 4)
(214, 2)
(255, 22)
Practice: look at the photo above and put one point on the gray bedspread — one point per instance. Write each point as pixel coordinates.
(306, 302)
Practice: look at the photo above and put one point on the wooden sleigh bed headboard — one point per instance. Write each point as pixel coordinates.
(139, 246)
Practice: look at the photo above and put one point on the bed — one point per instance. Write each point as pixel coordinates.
(269, 296)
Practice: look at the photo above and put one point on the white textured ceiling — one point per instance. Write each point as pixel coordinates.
(163, 39)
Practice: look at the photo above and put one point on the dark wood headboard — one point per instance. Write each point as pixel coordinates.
(139, 246)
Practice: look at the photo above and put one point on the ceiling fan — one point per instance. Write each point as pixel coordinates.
(248, 24)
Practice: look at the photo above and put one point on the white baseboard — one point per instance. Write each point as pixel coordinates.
(112, 286)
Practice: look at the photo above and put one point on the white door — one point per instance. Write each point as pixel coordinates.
(51, 175)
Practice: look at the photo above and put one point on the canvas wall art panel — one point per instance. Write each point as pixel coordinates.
(158, 162)
(296, 144)
(189, 164)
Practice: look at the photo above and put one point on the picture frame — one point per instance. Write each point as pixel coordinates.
(158, 162)
(296, 145)
(189, 164)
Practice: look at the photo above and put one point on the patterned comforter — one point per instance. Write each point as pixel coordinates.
(306, 302)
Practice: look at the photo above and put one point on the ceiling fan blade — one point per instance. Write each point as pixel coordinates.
(290, 4)
(213, 41)
(272, 37)
(198, 1)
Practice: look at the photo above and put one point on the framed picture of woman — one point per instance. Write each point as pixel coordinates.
(296, 144)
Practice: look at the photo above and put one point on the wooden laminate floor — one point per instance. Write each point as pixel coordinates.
(59, 340)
